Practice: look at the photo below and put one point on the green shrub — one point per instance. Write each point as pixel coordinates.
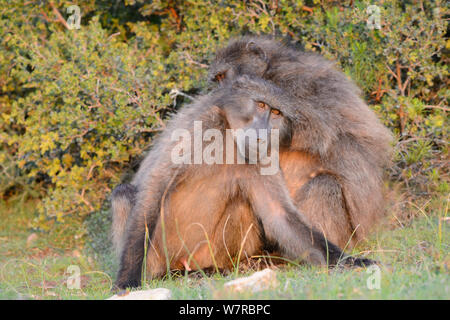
(77, 106)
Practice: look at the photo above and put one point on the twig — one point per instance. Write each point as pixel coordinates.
(189, 59)
(437, 107)
(59, 17)
(175, 93)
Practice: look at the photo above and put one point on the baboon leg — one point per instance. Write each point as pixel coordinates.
(283, 224)
(237, 235)
(122, 200)
(322, 202)
(156, 262)
(203, 237)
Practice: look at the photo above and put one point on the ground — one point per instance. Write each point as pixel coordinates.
(412, 245)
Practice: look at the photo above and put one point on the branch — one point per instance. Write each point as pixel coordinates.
(59, 17)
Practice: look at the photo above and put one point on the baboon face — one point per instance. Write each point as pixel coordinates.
(253, 113)
(240, 57)
(256, 108)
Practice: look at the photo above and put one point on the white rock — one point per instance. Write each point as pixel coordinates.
(153, 294)
(261, 280)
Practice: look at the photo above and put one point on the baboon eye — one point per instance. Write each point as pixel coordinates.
(275, 112)
(219, 77)
(262, 105)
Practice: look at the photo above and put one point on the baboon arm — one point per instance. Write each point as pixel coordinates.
(122, 202)
(284, 225)
(322, 201)
(142, 222)
(154, 180)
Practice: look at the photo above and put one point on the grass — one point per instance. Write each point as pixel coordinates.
(414, 251)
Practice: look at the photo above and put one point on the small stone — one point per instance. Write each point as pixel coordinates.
(153, 294)
(259, 281)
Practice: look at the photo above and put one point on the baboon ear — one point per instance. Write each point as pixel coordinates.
(241, 82)
(257, 50)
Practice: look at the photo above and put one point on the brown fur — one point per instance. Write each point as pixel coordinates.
(205, 242)
(337, 141)
(203, 216)
(318, 195)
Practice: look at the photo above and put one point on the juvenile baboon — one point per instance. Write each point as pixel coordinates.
(335, 131)
(196, 216)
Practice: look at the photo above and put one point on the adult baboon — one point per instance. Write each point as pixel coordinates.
(335, 129)
(197, 216)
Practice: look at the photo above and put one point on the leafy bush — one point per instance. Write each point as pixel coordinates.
(78, 106)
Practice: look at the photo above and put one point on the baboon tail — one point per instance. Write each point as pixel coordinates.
(122, 201)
